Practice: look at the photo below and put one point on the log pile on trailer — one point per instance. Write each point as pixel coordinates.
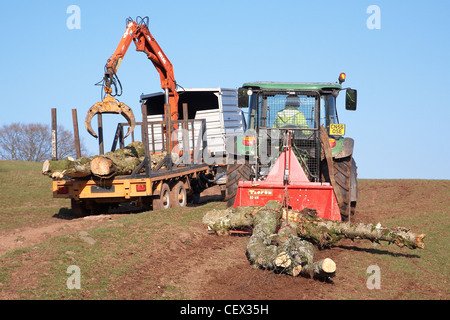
(115, 163)
(119, 162)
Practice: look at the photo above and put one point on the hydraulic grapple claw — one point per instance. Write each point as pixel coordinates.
(110, 105)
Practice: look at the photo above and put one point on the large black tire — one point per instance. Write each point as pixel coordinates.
(163, 200)
(345, 177)
(178, 195)
(235, 173)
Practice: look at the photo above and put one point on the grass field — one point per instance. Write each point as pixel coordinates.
(168, 255)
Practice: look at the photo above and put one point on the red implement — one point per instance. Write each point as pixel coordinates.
(287, 179)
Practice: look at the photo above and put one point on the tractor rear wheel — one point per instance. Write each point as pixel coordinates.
(346, 183)
(235, 173)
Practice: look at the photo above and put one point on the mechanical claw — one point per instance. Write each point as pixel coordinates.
(110, 105)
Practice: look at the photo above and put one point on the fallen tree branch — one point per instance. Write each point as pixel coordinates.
(283, 240)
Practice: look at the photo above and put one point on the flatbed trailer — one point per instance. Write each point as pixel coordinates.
(168, 184)
(161, 190)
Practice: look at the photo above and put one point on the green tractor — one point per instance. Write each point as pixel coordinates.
(305, 110)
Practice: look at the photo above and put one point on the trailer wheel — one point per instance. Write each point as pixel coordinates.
(178, 195)
(79, 208)
(163, 201)
(235, 173)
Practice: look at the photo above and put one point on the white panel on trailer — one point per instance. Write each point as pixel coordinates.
(222, 122)
(157, 136)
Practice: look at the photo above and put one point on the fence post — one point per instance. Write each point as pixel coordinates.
(54, 136)
(76, 134)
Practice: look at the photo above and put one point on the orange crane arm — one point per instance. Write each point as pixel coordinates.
(145, 42)
(138, 33)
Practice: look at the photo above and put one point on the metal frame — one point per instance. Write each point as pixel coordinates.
(315, 136)
(198, 147)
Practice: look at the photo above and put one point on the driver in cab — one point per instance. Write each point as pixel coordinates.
(291, 116)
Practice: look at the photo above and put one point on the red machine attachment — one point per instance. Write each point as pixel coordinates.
(288, 183)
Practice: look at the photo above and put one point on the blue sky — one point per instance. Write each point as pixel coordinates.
(400, 70)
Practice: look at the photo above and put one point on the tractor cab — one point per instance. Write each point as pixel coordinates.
(300, 112)
(301, 108)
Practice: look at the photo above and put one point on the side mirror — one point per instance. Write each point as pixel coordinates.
(350, 99)
(243, 97)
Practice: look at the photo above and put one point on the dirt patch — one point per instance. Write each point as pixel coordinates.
(192, 264)
(24, 237)
(181, 269)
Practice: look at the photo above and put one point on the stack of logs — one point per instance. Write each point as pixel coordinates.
(120, 162)
(283, 240)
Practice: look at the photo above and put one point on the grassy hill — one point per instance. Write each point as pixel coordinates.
(169, 255)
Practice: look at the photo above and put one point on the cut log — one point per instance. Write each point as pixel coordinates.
(220, 221)
(102, 166)
(282, 252)
(283, 240)
(260, 252)
(321, 269)
(297, 255)
(108, 166)
(120, 162)
(67, 167)
(325, 233)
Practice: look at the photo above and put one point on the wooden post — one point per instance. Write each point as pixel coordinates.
(54, 136)
(100, 134)
(76, 134)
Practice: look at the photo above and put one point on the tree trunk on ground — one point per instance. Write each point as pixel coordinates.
(260, 251)
(323, 233)
(321, 269)
(283, 240)
(220, 221)
(283, 251)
